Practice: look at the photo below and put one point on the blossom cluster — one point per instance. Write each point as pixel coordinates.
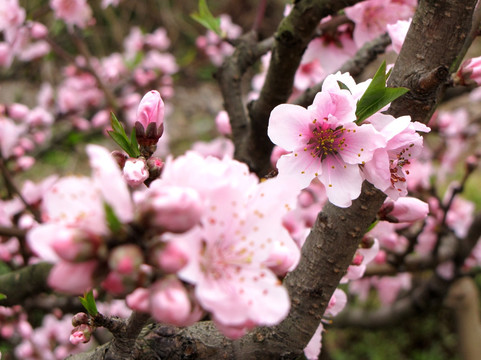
(326, 142)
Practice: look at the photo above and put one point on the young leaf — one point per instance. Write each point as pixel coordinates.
(377, 95)
(123, 142)
(206, 19)
(88, 302)
(343, 86)
(2, 296)
(134, 145)
(116, 125)
(130, 146)
(113, 221)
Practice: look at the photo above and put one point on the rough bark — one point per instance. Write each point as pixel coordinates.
(24, 283)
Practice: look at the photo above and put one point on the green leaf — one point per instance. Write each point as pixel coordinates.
(3, 296)
(88, 303)
(113, 221)
(123, 142)
(116, 125)
(343, 86)
(206, 19)
(134, 145)
(377, 95)
(372, 226)
(130, 146)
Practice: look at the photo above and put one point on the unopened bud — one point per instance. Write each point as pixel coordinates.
(135, 171)
(79, 319)
(469, 73)
(150, 117)
(81, 334)
(126, 259)
(171, 257)
(170, 302)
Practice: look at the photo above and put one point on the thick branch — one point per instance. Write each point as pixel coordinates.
(424, 65)
(24, 283)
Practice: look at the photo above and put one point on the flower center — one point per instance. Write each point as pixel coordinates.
(325, 140)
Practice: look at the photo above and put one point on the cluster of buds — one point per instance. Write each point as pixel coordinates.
(82, 330)
(141, 167)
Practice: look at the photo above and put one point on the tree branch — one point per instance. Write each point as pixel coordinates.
(24, 283)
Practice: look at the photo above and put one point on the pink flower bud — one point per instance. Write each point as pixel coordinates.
(135, 172)
(357, 260)
(126, 259)
(172, 257)
(150, 118)
(170, 302)
(81, 334)
(38, 30)
(222, 123)
(408, 209)
(79, 319)
(470, 72)
(139, 300)
(114, 283)
(18, 111)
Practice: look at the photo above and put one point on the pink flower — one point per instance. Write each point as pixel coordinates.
(135, 172)
(222, 123)
(325, 143)
(158, 39)
(397, 32)
(219, 147)
(313, 348)
(12, 15)
(73, 12)
(230, 249)
(470, 72)
(214, 46)
(9, 136)
(108, 179)
(371, 17)
(386, 169)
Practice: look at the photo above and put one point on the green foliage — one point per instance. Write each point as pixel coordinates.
(130, 146)
(2, 296)
(377, 95)
(206, 19)
(88, 302)
(113, 221)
